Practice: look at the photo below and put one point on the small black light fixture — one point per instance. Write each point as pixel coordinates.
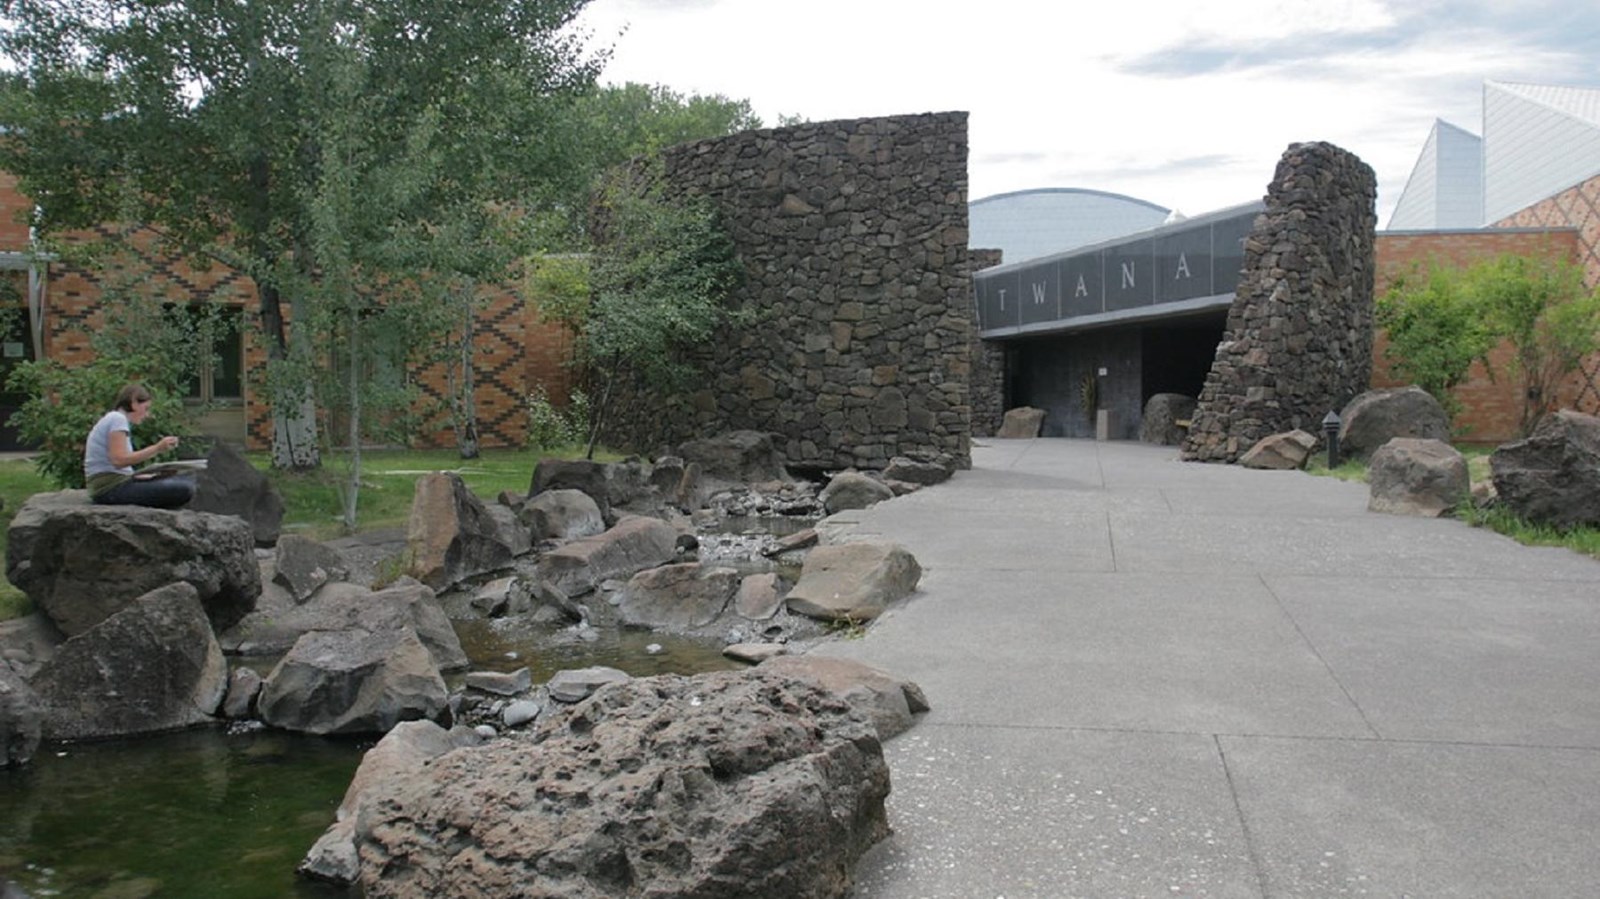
(1330, 430)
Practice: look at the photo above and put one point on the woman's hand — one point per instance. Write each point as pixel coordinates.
(166, 443)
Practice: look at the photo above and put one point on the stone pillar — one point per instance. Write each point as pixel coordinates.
(1299, 336)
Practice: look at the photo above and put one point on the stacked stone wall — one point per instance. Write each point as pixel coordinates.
(1299, 337)
(988, 387)
(853, 237)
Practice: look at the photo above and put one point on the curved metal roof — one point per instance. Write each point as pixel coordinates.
(1026, 224)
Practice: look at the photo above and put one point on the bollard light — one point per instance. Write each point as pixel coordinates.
(1330, 430)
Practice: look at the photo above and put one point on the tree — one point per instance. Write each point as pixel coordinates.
(1438, 325)
(1552, 321)
(202, 121)
(611, 125)
(1436, 331)
(660, 277)
(138, 339)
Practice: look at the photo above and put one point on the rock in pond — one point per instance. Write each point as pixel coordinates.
(153, 665)
(79, 563)
(353, 682)
(726, 784)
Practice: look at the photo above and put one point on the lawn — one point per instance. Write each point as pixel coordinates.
(311, 500)
(1498, 519)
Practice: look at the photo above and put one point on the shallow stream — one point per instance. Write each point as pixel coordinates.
(213, 815)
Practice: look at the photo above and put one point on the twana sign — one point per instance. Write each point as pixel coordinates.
(1174, 269)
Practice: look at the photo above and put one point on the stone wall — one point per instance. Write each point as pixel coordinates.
(853, 235)
(988, 383)
(1299, 336)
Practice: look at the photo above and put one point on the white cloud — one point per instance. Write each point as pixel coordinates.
(1118, 97)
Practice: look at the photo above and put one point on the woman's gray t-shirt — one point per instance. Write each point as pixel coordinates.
(97, 451)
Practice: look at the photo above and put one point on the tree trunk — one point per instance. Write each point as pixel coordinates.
(352, 489)
(466, 402)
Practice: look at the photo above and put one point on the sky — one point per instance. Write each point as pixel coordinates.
(1185, 103)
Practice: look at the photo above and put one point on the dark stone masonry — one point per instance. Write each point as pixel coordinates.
(988, 365)
(853, 235)
(1299, 336)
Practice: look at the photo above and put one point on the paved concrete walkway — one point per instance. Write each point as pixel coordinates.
(1155, 678)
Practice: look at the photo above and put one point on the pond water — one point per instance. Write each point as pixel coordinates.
(213, 815)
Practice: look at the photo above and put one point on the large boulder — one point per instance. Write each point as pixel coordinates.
(230, 485)
(746, 457)
(1280, 452)
(636, 543)
(153, 665)
(353, 682)
(889, 701)
(924, 471)
(401, 753)
(725, 784)
(582, 475)
(302, 565)
(1554, 475)
(676, 597)
(451, 536)
(562, 514)
(1378, 416)
(276, 627)
(1023, 422)
(1408, 476)
(1162, 414)
(853, 490)
(21, 717)
(79, 563)
(853, 581)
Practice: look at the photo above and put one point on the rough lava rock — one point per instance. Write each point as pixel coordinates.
(303, 565)
(676, 597)
(1554, 475)
(79, 563)
(1021, 423)
(341, 606)
(1408, 476)
(401, 753)
(562, 514)
(853, 490)
(1378, 416)
(745, 457)
(230, 485)
(1280, 452)
(154, 665)
(853, 581)
(889, 701)
(353, 682)
(729, 784)
(451, 536)
(1162, 412)
(634, 544)
(21, 717)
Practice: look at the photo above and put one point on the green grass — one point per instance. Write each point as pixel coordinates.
(18, 481)
(312, 504)
(311, 499)
(1496, 518)
(1348, 470)
(1501, 520)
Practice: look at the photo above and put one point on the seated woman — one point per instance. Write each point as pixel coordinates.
(109, 457)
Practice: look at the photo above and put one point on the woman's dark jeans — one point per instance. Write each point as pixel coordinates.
(161, 493)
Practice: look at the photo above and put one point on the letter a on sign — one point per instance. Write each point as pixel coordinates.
(1183, 267)
(1082, 290)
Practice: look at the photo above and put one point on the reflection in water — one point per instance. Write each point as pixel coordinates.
(198, 813)
(207, 815)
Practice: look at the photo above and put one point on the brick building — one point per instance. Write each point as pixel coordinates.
(61, 303)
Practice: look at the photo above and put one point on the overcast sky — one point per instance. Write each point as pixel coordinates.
(1185, 104)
